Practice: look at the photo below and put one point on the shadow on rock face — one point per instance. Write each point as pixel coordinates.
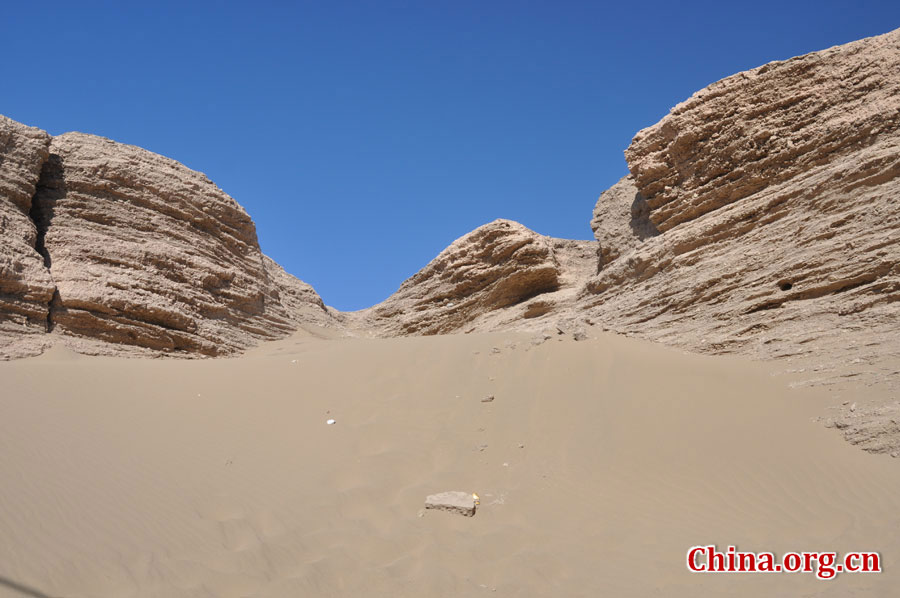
(641, 224)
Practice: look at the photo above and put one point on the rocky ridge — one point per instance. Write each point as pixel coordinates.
(497, 267)
(120, 250)
(774, 194)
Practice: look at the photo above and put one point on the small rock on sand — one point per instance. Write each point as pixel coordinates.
(488, 399)
(461, 503)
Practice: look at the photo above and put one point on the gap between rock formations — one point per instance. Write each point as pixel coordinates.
(759, 218)
(41, 216)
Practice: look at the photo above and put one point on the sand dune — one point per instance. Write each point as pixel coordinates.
(599, 463)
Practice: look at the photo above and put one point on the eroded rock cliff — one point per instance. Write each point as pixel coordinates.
(775, 191)
(496, 266)
(25, 284)
(123, 248)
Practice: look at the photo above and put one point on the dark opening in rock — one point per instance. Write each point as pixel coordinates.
(785, 286)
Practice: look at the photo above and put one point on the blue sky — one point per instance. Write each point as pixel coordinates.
(364, 137)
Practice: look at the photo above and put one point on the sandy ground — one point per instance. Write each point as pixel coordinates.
(220, 478)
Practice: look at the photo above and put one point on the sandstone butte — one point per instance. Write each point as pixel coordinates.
(760, 217)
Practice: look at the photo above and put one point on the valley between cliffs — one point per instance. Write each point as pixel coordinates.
(759, 218)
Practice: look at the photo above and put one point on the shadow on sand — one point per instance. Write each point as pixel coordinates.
(24, 590)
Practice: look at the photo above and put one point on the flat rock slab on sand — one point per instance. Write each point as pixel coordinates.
(462, 503)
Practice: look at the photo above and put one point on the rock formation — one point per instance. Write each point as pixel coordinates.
(759, 217)
(621, 221)
(772, 190)
(25, 285)
(775, 193)
(496, 266)
(139, 250)
(501, 276)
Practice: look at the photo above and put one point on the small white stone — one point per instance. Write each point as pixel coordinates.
(461, 503)
(330, 422)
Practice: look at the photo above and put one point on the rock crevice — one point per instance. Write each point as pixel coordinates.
(41, 214)
(25, 284)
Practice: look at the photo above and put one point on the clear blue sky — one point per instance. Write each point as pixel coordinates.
(364, 137)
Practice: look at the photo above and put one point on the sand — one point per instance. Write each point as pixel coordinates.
(598, 464)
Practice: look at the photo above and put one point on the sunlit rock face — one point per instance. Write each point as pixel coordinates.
(496, 266)
(128, 250)
(775, 192)
(25, 284)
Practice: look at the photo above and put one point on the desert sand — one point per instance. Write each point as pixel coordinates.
(598, 464)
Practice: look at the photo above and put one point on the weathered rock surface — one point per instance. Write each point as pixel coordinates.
(297, 300)
(461, 503)
(25, 284)
(501, 276)
(775, 192)
(621, 221)
(141, 251)
(145, 251)
(496, 266)
(758, 129)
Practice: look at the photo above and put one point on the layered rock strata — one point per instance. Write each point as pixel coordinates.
(496, 266)
(114, 243)
(26, 287)
(775, 194)
(620, 221)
